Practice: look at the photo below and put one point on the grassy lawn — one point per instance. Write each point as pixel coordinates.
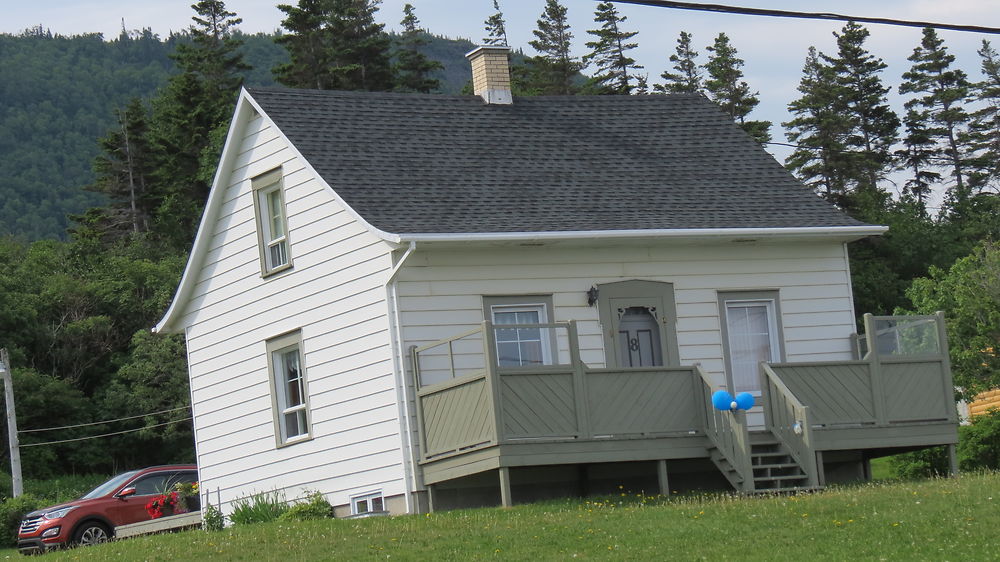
(943, 519)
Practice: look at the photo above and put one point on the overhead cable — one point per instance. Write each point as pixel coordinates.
(101, 422)
(104, 434)
(720, 8)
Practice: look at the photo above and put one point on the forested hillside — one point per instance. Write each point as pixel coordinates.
(58, 95)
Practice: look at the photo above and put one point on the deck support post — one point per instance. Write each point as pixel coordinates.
(952, 459)
(430, 498)
(662, 478)
(505, 495)
(820, 472)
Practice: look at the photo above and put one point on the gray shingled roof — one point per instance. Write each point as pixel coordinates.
(413, 163)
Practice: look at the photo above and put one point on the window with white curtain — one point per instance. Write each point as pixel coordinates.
(752, 335)
(288, 384)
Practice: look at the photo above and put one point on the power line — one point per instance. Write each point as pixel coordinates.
(101, 422)
(105, 434)
(805, 15)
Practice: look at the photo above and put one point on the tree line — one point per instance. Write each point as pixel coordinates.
(76, 314)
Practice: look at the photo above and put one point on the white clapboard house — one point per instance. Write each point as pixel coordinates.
(412, 302)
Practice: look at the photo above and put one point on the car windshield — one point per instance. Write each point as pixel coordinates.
(107, 487)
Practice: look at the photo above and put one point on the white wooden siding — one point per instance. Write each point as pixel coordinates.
(335, 296)
(441, 290)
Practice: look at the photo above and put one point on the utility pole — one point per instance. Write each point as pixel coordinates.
(15, 451)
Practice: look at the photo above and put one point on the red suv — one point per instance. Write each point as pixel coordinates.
(92, 519)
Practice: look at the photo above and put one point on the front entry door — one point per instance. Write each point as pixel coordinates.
(639, 338)
(638, 321)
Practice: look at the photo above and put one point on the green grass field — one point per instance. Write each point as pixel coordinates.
(942, 519)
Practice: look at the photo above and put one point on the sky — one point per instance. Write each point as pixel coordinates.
(774, 48)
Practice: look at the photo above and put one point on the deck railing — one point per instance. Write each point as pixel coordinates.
(559, 399)
(788, 419)
(904, 376)
(728, 432)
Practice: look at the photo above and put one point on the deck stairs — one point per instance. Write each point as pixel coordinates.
(774, 469)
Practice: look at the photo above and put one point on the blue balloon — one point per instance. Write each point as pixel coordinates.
(744, 400)
(722, 400)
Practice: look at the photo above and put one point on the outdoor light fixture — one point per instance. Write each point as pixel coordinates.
(592, 294)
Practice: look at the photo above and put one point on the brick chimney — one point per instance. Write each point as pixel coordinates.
(491, 73)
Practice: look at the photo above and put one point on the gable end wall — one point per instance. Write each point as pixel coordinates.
(335, 295)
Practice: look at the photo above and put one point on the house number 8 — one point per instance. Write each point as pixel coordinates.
(633, 344)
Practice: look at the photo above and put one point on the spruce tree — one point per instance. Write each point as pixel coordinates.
(726, 87)
(336, 45)
(413, 68)
(614, 73)
(918, 156)
(984, 127)
(818, 129)
(123, 171)
(872, 124)
(496, 27)
(186, 116)
(554, 70)
(307, 42)
(687, 77)
(939, 110)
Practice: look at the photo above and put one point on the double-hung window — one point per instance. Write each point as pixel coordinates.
(272, 228)
(288, 385)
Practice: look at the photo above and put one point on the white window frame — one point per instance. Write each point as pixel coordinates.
(767, 299)
(529, 303)
(266, 210)
(367, 500)
(277, 349)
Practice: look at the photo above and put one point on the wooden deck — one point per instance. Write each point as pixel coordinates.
(477, 416)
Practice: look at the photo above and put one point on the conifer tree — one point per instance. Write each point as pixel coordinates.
(818, 129)
(726, 87)
(496, 27)
(361, 53)
(872, 124)
(123, 171)
(687, 77)
(614, 73)
(336, 45)
(306, 40)
(413, 67)
(195, 103)
(918, 157)
(984, 127)
(939, 111)
(554, 70)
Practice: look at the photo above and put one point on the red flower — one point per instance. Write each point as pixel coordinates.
(155, 507)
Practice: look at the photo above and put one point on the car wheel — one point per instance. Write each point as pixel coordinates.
(91, 533)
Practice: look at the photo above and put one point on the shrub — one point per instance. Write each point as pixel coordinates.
(12, 510)
(315, 507)
(979, 442)
(212, 519)
(258, 508)
(920, 464)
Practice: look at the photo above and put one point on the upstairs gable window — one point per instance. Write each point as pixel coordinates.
(272, 227)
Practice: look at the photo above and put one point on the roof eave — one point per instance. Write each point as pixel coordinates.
(839, 233)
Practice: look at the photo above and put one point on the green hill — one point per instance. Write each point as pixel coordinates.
(58, 95)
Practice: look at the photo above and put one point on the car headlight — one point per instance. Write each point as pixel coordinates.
(58, 513)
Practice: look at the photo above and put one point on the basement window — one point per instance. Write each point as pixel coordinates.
(367, 503)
